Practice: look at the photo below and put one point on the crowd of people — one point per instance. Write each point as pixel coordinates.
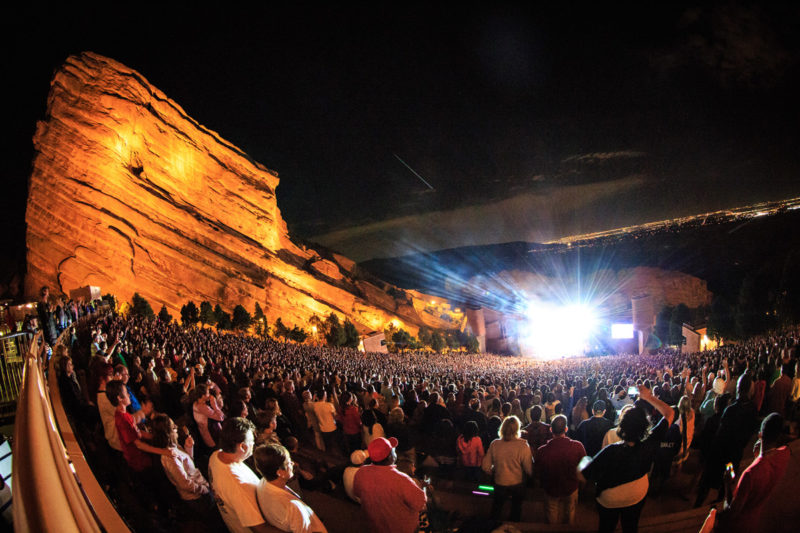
(230, 426)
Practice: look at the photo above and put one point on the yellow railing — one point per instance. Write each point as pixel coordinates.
(53, 486)
(12, 349)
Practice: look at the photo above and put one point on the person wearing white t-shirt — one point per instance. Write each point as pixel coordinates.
(326, 416)
(232, 481)
(281, 506)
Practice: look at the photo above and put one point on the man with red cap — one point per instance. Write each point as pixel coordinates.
(391, 499)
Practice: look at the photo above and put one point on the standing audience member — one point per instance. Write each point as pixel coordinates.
(620, 470)
(557, 462)
(326, 416)
(205, 410)
(685, 421)
(470, 451)
(311, 419)
(579, 413)
(107, 409)
(134, 449)
(744, 504)
(592, 431)
(509, 461)
(537, 432)
(738, 423)
(351, 422)
(780, 391)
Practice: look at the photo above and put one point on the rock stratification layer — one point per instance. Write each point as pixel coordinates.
(131, 194)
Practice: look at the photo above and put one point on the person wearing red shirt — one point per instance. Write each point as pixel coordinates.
(743, 505)
(779, 392)
(557, 463)
(133, 448)
(470, 450)
(537, 432)
(391, 499)
(350, 417)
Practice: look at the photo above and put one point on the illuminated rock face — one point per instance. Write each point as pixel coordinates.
(130, 194)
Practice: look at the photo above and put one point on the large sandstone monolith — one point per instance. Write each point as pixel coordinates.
(131, 194)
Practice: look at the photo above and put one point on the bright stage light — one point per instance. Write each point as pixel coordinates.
(556, 331)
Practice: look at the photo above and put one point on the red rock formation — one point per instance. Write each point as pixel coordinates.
(131, 194)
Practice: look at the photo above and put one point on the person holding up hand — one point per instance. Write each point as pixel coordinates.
(620, 470)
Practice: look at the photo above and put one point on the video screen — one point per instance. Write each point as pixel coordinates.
(621, 331)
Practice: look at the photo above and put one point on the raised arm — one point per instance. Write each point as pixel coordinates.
(666, 411)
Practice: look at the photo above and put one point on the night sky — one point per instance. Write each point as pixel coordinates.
(527, 122)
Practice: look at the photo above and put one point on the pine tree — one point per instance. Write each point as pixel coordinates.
(334, 334)
(298, 334)
(207, 315)
(141, 307)
(224, 321)
(260, 322)
(164, 315)
(351, 337)
(281, 330)
(241, 318)
(437, 342)
(189, 314)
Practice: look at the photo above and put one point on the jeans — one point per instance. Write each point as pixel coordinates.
(353, 442)
(560, 509)
(330, 439)
(628, 515)
(501, 494)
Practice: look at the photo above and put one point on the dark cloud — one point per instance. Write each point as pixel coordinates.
(737, 45)
(603, 156)
(528, 216)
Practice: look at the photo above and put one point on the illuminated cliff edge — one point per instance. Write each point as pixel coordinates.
(131, 194)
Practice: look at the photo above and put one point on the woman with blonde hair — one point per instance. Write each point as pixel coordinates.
(509, 461)
(686, 424)
(516, 409)
(579, 413)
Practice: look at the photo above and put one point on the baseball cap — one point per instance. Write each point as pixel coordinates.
(380, 448)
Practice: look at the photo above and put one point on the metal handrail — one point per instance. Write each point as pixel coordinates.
(54, 488)
(12, 349)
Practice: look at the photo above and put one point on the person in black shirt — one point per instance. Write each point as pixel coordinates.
(473, 414)
(610, 413)
(738, 423)
(620, 470)
(590, 432)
